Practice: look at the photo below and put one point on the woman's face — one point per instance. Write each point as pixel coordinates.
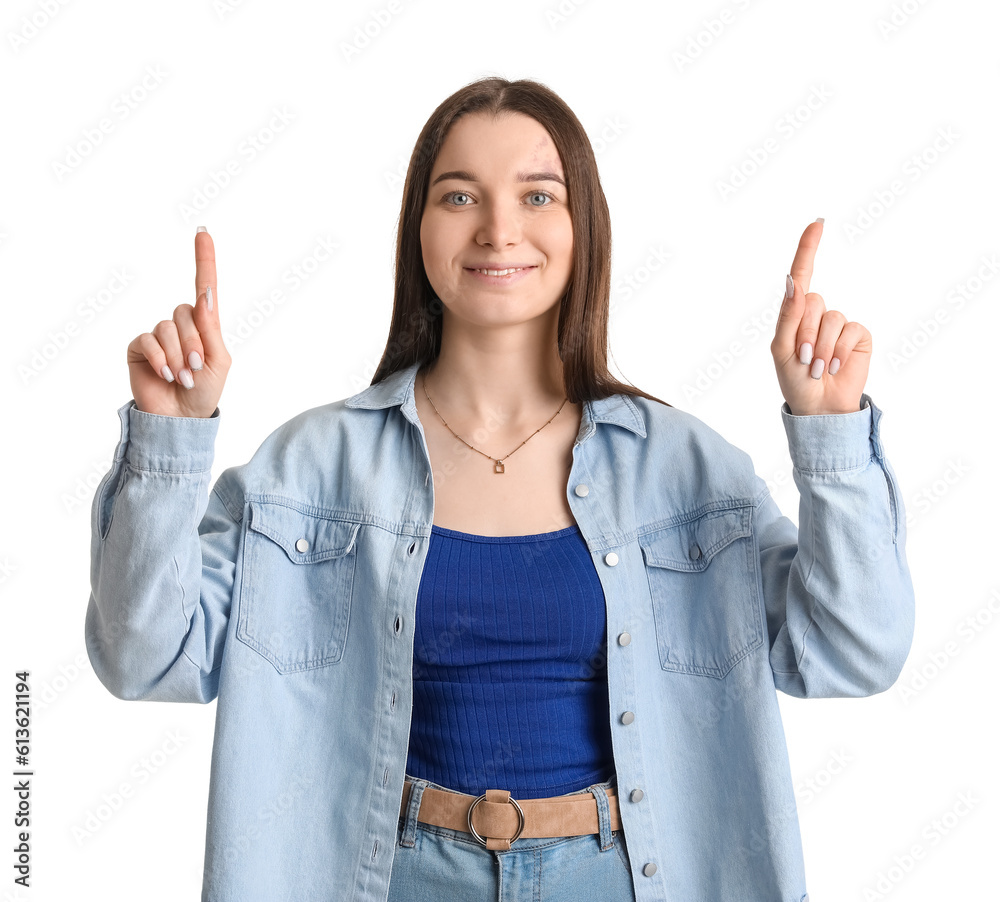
(497, 200)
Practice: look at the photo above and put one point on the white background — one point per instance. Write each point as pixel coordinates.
(668, 132)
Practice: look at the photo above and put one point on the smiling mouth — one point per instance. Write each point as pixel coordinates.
(499, 272)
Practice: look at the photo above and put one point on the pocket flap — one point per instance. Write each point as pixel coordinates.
(305, 538)
(692, 544)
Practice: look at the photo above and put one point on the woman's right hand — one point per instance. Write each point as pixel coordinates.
(187, 349)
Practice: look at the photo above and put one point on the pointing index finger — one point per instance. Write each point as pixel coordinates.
(204, 275)
(802, 265)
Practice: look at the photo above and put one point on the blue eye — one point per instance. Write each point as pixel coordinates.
(541, 194)
(452, 194)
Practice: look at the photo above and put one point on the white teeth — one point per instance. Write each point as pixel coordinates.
(499, 272)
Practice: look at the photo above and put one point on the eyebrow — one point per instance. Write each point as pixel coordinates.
(463, 175)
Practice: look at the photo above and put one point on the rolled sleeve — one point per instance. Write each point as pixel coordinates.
(838, 593)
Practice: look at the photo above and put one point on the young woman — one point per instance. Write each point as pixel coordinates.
(499, 626)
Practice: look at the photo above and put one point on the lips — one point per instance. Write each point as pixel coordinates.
(495, 274)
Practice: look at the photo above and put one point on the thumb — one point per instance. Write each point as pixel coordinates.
(789, 317)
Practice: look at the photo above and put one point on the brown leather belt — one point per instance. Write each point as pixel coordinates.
(497, 820)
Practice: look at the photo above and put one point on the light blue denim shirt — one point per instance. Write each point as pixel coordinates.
(288, 592)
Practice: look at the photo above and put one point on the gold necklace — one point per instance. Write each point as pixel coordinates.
(497, 463)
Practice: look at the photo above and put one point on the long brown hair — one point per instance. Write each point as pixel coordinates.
(415, 330)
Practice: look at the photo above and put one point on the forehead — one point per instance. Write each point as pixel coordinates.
(505, 142)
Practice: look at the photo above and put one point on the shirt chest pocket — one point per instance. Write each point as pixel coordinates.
(703, 584)
(298, 581)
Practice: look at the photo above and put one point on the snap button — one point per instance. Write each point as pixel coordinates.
(636, 795)
(582, 490)
(649, 869)
(302, 545)
(611, 559)
(628, 717)
(624, 639)
(694, 552)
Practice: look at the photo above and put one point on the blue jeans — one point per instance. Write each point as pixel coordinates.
(436, 863)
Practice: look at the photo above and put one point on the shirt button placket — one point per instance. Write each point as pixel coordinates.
(624, 639)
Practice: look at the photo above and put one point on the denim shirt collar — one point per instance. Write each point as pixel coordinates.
(397, 390)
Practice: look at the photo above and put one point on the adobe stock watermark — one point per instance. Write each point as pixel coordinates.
(31, 27)
(817, 783)
(561, 12)
(935, 662)
(899, 15)
(705, 37)
(923, 501)
(933, 833)
(293, 278)
(759, 325)
(57, 340)
(225, 8)
(637, 278)
(430, 650)
(378, 21)
(293, 797)
(929, 327)
(787, 127)
(915, 167)
(141, 772)
(247, 151)
(806, 791)
(93, 136)
(780, 477)
(81, 495)
(610, 130)
(58, 683)
(7, 569)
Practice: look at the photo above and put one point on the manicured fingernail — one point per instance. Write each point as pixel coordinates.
(821, 219)
(806, 352)
(186, 379)
(817, 368)
(834, 365)
(208, 297)
(194, 359)
(165, 372)
(202, 229)
(789, 287)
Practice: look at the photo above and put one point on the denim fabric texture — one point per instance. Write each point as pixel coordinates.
(287, 593)
(434, 863)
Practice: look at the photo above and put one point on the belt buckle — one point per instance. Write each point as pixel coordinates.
(520, 815)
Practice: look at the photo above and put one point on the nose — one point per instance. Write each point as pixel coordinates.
(500, 226)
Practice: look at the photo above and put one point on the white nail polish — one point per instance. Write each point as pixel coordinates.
(165, 372)
(817, 368)
(806, 352)
(208, 297)
(834, 365)
(194, 360)
(202, 229)
(186, 379)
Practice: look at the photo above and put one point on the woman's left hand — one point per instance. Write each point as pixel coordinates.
(822, 359)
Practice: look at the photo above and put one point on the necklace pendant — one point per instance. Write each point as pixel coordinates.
(498, 466)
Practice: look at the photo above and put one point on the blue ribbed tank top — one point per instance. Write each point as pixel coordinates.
(510, 685)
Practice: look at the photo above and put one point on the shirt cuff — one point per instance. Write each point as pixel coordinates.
(151, 441)
(837, 441)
